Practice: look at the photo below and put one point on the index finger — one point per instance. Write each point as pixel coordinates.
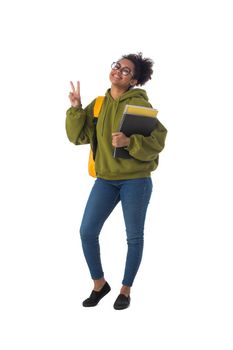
(72, 86)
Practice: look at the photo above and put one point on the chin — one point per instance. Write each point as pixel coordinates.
(114, 80)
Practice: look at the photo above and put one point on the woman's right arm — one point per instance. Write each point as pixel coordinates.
(79, 121)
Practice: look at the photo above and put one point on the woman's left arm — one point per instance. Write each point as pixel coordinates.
(147, 148)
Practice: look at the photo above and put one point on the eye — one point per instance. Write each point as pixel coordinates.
(125, 71)
(116, 65)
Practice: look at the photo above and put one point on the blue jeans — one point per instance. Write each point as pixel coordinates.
(134, 195)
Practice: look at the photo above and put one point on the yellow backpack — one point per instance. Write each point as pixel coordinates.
(91, 162)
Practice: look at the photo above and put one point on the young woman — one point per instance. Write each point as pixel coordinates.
(118, 180)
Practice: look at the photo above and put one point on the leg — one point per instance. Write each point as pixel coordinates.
(135, 196)
(102, 200)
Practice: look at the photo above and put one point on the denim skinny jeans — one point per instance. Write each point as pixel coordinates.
(134, 195)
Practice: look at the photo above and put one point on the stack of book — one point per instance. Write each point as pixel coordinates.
(136, 120)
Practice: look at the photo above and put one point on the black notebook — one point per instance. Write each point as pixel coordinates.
(136, 120)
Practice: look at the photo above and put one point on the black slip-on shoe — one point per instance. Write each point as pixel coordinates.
(95, 297)
(122, 302)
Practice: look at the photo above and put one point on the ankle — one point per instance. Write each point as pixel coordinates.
(125, 290)
(98, 284)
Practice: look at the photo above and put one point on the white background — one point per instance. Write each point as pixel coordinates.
(182, 296)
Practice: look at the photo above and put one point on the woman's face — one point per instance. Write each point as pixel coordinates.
(122, 74)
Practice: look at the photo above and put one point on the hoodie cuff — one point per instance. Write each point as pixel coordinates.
(129, 147)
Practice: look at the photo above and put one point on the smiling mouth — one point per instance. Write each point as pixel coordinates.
(116, 76)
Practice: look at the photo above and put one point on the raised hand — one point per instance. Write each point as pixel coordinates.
(74, 96)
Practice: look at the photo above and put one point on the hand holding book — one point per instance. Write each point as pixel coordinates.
(120, 140)
(135, 120)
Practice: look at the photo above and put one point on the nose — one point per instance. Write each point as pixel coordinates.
(119, 71)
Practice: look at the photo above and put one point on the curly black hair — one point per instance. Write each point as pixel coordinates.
(143, 67)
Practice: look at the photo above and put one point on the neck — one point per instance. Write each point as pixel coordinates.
(116, 92)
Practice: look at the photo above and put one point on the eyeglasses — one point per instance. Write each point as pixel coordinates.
(124, 70)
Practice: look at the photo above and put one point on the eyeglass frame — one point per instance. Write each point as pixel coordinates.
(114, 64)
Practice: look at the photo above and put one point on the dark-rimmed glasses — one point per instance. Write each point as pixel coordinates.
(124, 70)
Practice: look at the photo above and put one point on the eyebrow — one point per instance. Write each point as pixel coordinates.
(124, 66)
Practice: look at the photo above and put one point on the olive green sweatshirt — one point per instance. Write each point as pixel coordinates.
(144, 150)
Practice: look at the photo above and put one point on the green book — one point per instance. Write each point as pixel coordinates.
(136, 120)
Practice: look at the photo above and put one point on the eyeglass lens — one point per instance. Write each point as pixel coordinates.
(117, 66)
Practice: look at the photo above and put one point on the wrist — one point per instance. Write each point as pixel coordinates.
(127, 142)
(77, 106)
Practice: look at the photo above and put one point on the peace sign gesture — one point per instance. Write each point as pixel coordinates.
(74, 96)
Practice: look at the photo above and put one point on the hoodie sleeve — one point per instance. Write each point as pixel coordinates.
(147, 148)
(79, 124)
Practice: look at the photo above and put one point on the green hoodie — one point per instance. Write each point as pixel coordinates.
(144, 150)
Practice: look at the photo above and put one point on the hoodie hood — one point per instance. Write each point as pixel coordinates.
(132, 93)
(115, 107)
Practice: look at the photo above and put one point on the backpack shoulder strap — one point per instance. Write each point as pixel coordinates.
(91, 163)
(97, 106)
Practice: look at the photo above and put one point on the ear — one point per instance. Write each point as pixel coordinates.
(133, 82)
